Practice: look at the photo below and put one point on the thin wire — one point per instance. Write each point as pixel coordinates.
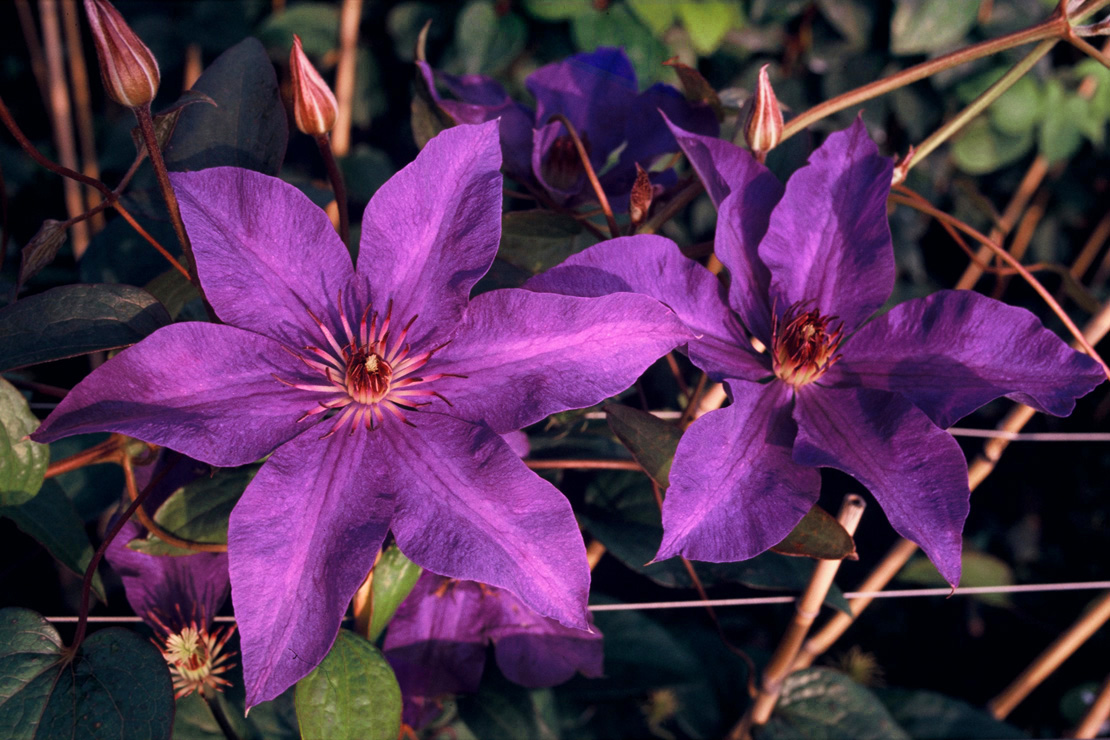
(764, 600)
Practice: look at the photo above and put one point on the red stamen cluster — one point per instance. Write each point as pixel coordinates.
(802, 345)
(563, 166)
(195, 656)
(372, 373)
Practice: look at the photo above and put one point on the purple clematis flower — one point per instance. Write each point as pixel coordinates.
(810, 263)
(381, 391)
(598, 94)
(437, 642)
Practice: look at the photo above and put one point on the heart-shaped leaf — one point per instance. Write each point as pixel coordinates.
(22, 462)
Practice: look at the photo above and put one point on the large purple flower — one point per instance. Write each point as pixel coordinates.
(437, 642)
(598, 94)
(380, 390)
(809, 265)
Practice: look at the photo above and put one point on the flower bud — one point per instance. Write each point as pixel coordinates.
(129, 70)
(764, 127)
(314, 106)
(902, 168)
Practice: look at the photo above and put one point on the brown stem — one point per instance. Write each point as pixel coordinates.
(692, 402)
(151, 240)
(108, 451)
(1097, 715)
(350, 14)
(1089, 50)
(583, 465)
(614, 230)
(337, 185)
(1023, 236)
(594, 552)
(27, 146)
(34, 48)
(82, 107)
(146, 520)
(1091, 247)
(805, 611)
(212, 699)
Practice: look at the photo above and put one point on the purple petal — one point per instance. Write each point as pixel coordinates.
(192, 586)
(468, 508)
(482, 99)
(654, 266)
(735, 489)
(724, 167)
(954, 351)
(527, 355)
(207, 390)
(265, 253)
(916, 471)
(828, 242)
(538, 652)
(300, 541)
(593, 90)
(432, 230)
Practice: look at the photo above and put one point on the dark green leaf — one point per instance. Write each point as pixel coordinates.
(820, 703)
(116, 686)
(927, 715)
(247, 128)
(165, 123)
(696, 88)
(853, 18)
(351, 694)
(40, 251)
(173, 290)
(818, 535)
(537, 240)
(655, 15)
(617, 26)
(1061, 132)
(557, 10)
(708, 21)
(198, 512)
(270, 720)
(394, 577)
(75, 320)
(979, 569)
(981, 149)
(317, 23)
(52, 521)
(22, 462)
(651, 440)
(922, 26)
(503, 710)
(487, 41)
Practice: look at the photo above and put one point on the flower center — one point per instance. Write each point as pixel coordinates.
(563, 166)
(803, 346)
(195, 656)
(371, 375)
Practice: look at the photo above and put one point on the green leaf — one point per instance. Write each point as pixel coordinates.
(351, 694)
(651, 440)
(22, 461)
(979, 569)
(818, 535)
(247, 128)
(52, 521)
(557, 10)
(165, 123)
(981, 149)
(503, 710)
(1018, 109)
(198, 512)
(708, 21)
(922, 26)
(173, 290)
(427, 117)
(116, 686)
(487, 41)
(40, 251)
(317, 23)
(655, 15)
(394, 577)
(927, 715)
(1061, 133)
(852, 18)
(75, 320)
(617, 26)
(820, 703)
(538, 240)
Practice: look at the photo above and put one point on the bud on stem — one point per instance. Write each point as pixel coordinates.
(128, 69)
(314, 106)
(763, 130)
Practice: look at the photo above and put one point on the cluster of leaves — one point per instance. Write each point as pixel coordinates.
(666, 676)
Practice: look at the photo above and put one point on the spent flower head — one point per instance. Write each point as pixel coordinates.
(128, 69)
(810, 264)
(381, 389)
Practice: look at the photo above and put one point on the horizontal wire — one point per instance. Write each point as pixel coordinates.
(763, 600)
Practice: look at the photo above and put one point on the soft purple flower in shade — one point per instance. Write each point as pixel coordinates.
(598, 93)
(437, 641)
(381, 389)
(809, 264)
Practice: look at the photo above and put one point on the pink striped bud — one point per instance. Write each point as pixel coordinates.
(763, 130)
(314, 106)
(128, 69)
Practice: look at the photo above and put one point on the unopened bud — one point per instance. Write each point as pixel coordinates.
(314, 106)
(764, 128)
(129, 70)
(639, 200)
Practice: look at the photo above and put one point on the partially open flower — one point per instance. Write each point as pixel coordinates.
(763, 130)
(314, 106)
(129, 70)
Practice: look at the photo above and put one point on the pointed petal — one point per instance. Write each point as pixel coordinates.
(594, 90)
(300, 541)
(468, 508)
(432, 230)
(526, 355)
(954, 351)
(265, 253)
(829, 241)
(724, 167)
(735, 489)
(206, 390)
(916, 471)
